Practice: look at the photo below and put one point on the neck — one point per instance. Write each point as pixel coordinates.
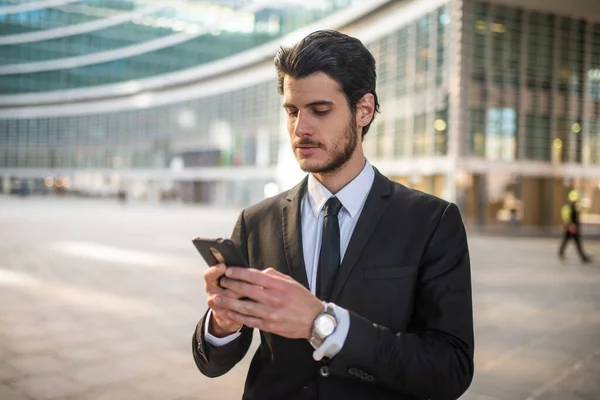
(336, 180)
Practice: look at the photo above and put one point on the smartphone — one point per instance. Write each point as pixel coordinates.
(220, 251)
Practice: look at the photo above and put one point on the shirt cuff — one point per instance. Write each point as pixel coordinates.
(334, 343)
(215, 341)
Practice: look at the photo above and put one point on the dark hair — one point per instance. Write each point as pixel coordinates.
(344, 58)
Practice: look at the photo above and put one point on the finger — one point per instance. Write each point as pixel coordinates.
(217, 308)
(214, 303)
(254, 276)
(247, 320)
(212, 275)
(246, 307)
(215, 271)
(245, 289)
(223, 292)
(273, 272)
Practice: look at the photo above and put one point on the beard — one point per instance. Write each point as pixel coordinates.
(339, 154)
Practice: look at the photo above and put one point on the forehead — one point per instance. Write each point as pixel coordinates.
(318, 86)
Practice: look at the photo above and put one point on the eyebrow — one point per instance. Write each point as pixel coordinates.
(312, 104)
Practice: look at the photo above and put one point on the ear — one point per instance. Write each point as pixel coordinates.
(365, 108)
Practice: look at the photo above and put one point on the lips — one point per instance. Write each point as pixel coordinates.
(306, 151)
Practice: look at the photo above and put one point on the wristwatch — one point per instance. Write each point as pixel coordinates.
(323, 326)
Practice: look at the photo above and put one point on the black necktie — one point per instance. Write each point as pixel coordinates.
(329, 257)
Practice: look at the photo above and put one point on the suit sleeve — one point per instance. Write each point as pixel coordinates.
(434, 358)
(215, 361)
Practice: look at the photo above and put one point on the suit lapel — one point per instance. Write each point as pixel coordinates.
(374, 208)
(292, 233)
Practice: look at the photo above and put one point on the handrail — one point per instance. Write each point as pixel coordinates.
(100, 57)
(109, 55)
(227, 83)
(38, 5)
(205, 71)
(252, 74)
(78, 29)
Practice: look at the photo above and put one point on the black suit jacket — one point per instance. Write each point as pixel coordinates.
(405, 280)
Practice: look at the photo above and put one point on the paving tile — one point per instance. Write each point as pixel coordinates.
(5, 352)
(37, 364)
(24, 347)
(8, 372)
(583, 381)
(8, 393)
(559, 394)
(84, 354)
(115, 370)
(161, 387)
(489, 384)
(127, 346)
(472, 395)
(120, 392)
(47, 387)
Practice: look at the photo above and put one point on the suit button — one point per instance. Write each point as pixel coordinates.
(353, 371)
(324, 371)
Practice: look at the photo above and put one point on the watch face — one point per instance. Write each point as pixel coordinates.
(325, 325)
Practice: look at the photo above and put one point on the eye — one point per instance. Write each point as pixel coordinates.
(291, 112)
(321, 112)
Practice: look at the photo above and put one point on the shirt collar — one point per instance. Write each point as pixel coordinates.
(352, 196)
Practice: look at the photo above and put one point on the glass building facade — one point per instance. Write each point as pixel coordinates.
(533, 102)
(494, 107)
(127, 40)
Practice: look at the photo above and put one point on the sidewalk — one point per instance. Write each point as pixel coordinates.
(99, 301)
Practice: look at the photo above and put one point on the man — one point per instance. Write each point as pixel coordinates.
(360, 287)
(570, 217)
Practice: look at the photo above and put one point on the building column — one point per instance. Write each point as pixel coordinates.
(460, 35)
(430, 92)
(520, 100)
(556, 152)
(411, 51)
(6, 186)
(585, 91)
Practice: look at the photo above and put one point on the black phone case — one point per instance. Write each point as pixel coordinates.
(217, 251)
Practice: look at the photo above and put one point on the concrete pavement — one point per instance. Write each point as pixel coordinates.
(99, 300)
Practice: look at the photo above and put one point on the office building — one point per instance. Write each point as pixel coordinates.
(494, 105)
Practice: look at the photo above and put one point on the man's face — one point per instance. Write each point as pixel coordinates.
(322, 128)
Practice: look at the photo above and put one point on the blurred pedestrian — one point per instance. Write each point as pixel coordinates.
(122, 196)
(572, 226)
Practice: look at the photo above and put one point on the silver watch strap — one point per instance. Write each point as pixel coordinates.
(315, 340)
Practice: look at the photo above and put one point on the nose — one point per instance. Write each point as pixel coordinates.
(302, 126)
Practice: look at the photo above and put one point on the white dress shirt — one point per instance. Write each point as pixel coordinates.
(353, 197)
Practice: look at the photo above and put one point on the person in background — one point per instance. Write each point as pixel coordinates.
(572, 227)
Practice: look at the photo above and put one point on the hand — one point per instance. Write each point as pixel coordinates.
(219, 325)
(278, 304)
(572, 228)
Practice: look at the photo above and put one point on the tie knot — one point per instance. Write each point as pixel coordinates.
(333, 206)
